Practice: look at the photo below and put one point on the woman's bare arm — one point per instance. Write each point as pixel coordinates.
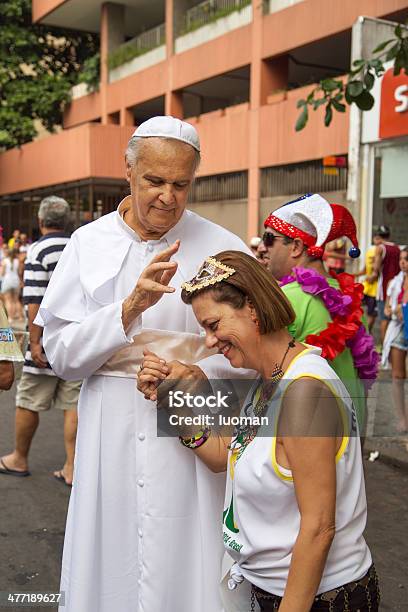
(310, 444)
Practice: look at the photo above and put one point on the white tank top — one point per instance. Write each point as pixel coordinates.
(261, 518)
(11, 269)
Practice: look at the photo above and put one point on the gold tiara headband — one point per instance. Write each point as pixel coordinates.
(210, 273)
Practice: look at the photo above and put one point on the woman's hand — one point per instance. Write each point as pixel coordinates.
(399, 313)
(152, 372)
(387, 310)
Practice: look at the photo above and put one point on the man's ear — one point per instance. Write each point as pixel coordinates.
(128, 170)
(298, 248)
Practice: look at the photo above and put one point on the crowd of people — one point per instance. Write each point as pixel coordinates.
(153, 524)
(12, 257)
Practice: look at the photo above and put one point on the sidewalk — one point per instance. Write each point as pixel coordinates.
(381, 434)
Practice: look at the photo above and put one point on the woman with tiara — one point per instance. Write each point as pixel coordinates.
(295, 507)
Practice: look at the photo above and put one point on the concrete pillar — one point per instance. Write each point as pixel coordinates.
(266, 77)
(112, 36)
(254, 105)
(274, 76)
(169, 26)
(126, 117)
(77, 208)
(173, 102)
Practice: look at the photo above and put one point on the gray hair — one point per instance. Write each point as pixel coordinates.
(54, 212)
(134, 151)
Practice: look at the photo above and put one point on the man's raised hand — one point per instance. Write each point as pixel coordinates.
(151, 285)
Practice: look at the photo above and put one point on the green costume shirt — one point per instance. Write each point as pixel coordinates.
(312, 317)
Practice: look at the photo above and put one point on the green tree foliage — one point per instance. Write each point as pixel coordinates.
(334, 94)
(90, 72)
(38, 66)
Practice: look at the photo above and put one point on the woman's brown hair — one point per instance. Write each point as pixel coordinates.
(252, 284)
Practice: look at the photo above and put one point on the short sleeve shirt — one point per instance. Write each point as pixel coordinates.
(42, 257)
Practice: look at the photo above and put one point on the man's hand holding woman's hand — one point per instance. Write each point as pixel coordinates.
(154, 370)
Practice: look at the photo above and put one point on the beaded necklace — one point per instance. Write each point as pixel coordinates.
(256, 407)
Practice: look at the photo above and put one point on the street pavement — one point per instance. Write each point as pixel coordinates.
(33, 511)
(381, 432)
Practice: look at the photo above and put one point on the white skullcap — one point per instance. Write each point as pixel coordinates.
(255, 241)
(169, 127)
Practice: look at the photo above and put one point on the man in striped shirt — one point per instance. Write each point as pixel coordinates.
(39, 387)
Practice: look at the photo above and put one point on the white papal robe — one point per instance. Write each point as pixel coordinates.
(143, 529)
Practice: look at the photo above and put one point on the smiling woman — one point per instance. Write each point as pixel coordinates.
(295, 507)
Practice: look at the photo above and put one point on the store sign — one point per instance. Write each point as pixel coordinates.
(394, 105)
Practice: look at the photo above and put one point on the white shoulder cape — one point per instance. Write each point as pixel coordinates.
(96, 252)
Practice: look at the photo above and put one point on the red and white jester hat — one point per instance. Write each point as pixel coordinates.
(316, 222)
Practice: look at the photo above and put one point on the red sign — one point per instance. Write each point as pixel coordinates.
(394, 105)
(336, 161)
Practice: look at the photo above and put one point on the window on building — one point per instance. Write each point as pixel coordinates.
(231, 186)
(324, 58)
(150, 108)
(219, 92)
(303, 177)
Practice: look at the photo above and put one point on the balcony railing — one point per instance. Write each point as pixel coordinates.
(273, 6)
(208, 12)
(301, 178)
(232, 186)
(151, 39)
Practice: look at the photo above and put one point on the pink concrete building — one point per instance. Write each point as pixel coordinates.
(233, 68)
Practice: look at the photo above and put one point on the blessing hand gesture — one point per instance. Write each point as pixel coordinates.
(151, 285)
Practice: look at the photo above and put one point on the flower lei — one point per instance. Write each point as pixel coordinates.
(346, 328)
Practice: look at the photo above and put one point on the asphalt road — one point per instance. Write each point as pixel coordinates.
(33, 510)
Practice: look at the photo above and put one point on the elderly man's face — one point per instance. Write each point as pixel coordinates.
(159, 182)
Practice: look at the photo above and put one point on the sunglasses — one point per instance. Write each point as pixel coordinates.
(269, 238)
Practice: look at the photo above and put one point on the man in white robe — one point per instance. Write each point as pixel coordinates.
(144, 521)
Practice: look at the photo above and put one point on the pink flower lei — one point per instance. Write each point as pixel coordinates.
(346, 328)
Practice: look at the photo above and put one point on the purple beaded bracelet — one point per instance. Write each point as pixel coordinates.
(197, 440)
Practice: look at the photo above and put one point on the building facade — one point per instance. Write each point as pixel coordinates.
(234, 68)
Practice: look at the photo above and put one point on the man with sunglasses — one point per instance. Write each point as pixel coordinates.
(295, 237)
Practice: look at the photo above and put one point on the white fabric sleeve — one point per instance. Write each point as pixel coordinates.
(76, 350)
(76, 343)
